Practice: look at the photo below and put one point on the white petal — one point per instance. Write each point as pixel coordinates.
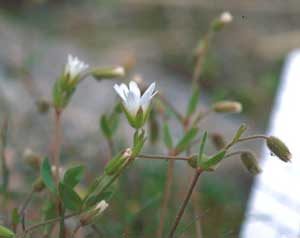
(135, 89)
(148, 94)
(120, 92)
(132, 104)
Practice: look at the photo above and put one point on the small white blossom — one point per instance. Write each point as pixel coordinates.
(226, 17)
(74, 67)
(101, 206)
(131, 96)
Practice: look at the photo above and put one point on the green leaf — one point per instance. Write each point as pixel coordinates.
(193, 102)
(104, 124)
(213, 160)
(186, 140)
(239, 133)
(47, 176)
(5, 232)
(201, 149)
(167, 137)
(73, 176)
(70, 198)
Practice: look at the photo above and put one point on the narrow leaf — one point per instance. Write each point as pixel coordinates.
(193, 102)
(201, 149)
(47, 176)
(167, 137)
(104, 124)
(186, 140)
(213, 160)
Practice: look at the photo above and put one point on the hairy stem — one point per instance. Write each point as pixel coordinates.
(185, 202)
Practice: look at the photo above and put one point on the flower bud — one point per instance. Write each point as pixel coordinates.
(32, 159)
(90, 216)
(192, 161)
(42, 105)
(108, 73)
(277, 147)
(38, 185)
(227, 107)
(218, 141)
(219, 23)
(117, 162)
(250, 163)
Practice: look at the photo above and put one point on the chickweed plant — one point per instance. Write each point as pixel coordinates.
(138, 102)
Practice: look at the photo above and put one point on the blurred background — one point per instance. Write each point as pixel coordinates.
(158, 36)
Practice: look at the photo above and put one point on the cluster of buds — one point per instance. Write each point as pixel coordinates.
(135, 105)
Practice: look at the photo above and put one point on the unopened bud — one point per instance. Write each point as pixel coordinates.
(38, 185)
(32, 159)
(277, 147)
(219, 23)
(227, 106)
(218, 141)
(250, 163)
(90, 216)
(43, 105)
(192, 161)
(108, 73)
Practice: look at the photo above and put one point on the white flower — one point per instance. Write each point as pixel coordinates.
(101, 206)
(132, 99)
(226, 17)
(74, 67)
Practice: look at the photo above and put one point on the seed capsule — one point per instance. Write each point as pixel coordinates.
(277, 147)
(250, 163)
(227, 107)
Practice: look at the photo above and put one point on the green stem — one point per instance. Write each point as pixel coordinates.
(185, 202)
(164, 157)
(5, 171)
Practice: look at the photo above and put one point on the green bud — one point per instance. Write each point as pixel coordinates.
(219, 23)
(32, 159)
(250, 163)
(108, 73)
(192, 161)
(277, 147)
(38, 185)
(5, 232)
(117, 162)
(227, 107)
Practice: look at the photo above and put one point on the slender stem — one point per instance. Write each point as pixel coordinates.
(54, 220)
(253, 138)
(236, 153)
(166, 198)
(77, 228)
(164, 157)
(185, 202)
(200, 115)
(57, 144)
(5, 171)
(56, 162)
(23, 208)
